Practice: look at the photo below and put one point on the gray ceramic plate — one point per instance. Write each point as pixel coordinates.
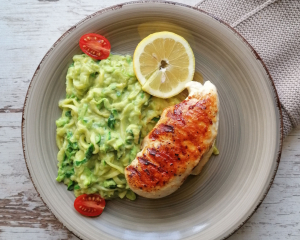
(231, 186)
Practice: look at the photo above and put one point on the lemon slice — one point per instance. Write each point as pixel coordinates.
(163, 63)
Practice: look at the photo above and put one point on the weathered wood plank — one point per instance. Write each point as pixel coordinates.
(22, 213)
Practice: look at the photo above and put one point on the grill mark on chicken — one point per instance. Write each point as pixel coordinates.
(145, 162)
(176, 115)
(161, 129)
(152, 151)
(133, 171)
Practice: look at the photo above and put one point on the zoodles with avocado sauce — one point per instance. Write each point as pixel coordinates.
(105, 116)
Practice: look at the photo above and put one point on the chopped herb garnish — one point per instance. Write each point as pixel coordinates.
(71, 186)
(68, 114)
(89, 152)
(78, 163)
(110, 183)
(69, 135)
(111, 121)
(98, 139)
(94, 74)
(156, 119)
(69, 173)
(114, 112)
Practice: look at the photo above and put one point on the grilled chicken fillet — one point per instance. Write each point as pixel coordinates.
(176, 146)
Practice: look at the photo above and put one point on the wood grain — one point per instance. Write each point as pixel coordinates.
(31, 27)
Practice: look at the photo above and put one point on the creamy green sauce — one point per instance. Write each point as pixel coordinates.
(105, 116)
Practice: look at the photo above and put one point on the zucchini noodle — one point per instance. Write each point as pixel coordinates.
(105, 116)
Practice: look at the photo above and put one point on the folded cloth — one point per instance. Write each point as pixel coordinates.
(273, 29)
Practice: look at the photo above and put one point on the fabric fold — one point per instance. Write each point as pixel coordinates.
(272, 28)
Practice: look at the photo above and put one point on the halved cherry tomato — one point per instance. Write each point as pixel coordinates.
(95, 45)
(89, 204)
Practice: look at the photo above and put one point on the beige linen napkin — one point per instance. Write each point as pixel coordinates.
(273, 29)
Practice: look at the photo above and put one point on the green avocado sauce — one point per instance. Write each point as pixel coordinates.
(105, 116)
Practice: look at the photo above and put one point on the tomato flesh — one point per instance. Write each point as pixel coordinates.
(90, 205)
(95, 46)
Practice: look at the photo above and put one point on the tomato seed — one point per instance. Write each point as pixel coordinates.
(89, 198)
(84, 46)
(93, 198)
(85, 39)
(80, 207)
(95, 38)
(88, 38)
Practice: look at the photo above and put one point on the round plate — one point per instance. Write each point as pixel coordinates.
(232, 185)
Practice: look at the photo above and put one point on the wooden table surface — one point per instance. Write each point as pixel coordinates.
(28, 29)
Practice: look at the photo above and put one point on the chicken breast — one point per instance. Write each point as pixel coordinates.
(182, 137)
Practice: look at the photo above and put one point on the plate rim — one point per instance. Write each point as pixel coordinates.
(196, 8)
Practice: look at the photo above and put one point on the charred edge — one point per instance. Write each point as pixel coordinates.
(152, 151)
(166, 128)
(145, 162)
(177, 111)
(133, 171)
(201, 104)
(176, 114)
(147, 171)
(160, 129)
